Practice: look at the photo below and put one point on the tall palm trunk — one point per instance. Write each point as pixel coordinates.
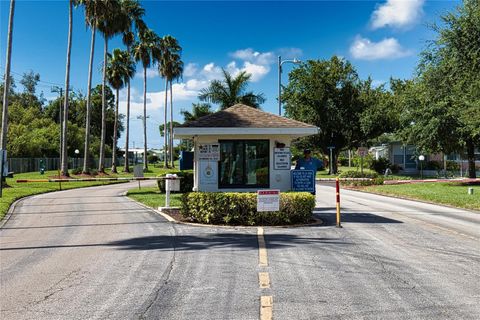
(127, 129)
(145, 163)
(171, 126)
(126, 167)
(114, 147)
(101, 161)
(165, 143)
(88, 111)
(67, 87)
(6, 89)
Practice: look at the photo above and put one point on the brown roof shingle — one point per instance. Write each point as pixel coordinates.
(242, 116)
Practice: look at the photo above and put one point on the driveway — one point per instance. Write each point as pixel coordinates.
(93, 254)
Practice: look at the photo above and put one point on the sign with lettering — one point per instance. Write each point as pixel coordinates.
(281, 159)
(138, 171)
(303, 180)
(210, 151)
(208, 172)
(268, 200)
(362, 151)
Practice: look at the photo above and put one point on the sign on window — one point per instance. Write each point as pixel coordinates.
(268, 200)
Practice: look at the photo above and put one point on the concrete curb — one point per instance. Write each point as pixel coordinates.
(318, 222)
(413, 199)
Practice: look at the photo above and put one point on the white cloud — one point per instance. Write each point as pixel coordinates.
(388, 48)
(152, 72)
(397, 13)
(290, 53)
(252, 56)
(190, 69)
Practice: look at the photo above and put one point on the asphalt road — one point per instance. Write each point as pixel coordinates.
(93, 254)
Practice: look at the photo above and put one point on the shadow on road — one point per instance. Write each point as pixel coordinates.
(228, 241)
(329, 217)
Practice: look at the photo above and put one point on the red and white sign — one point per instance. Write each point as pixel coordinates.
(362, 151)
(268, 200)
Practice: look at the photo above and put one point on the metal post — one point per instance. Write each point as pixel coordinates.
(1, 172)
(279, 85)
(167, 192)
(337, 186)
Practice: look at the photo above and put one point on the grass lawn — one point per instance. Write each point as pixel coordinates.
(453, 194)
(152, 197)
(20, 190)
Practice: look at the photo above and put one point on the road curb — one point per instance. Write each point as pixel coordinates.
(318, 222)
(413, 199)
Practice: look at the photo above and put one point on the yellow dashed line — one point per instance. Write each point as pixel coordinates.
(264, 280)
(262, 249)
(266, 307)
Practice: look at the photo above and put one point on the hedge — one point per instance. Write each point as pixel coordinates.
(186, 183)
(240, 208)
(375, 178)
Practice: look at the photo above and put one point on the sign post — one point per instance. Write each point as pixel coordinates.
(2, 152)
(303, 180)
(362, 152)
(138, 173)
(268, 200)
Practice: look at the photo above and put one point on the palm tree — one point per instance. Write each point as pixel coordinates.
(177, 72)
(113, 21)
(135, 14)
(170, 52)
(120, 69)
(230, 91)
(198, 110)
(6, 89)
(93, 15)
(64, 161)
(146, 50)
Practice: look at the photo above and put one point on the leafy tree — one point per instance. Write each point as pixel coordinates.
(330, 95)
(230, 91)
(120, 69)
(29, 82)
(441, 105)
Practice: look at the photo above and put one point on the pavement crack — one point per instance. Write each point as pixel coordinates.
(165, 277)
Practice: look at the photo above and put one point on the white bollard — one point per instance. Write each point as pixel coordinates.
(470, 191)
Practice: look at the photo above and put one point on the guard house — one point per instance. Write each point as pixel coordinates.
(242, 149)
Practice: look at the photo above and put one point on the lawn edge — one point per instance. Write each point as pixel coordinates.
(413, 199)
(14, 203)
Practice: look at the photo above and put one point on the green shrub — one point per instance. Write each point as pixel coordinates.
(452, 166)
(358, 174)
(380, 165)
(367, 161)
(342, 161)
(76, 171)
(432, 165)
(395, 168)
(152, 158)
(240, 208)
(186, 183)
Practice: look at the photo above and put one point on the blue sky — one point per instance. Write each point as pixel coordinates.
(381, 38)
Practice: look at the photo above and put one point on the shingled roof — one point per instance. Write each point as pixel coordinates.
(242, 116)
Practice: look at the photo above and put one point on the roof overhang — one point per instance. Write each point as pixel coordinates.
(189, 132)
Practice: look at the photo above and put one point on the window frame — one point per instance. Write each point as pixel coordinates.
(244, 174)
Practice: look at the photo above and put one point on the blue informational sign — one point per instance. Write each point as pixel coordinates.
(303, 180)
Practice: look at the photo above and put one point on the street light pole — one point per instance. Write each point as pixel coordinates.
(280, 62)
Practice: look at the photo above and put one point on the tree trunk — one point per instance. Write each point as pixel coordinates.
(115, 124)
(471, 159)
(86, 152)
(126, 167)
(171, 127)
(64, 171)
(101, 160)
(6, 89)
(145, 158)
(165, 143)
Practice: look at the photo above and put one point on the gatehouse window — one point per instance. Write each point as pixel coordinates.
(244, 164)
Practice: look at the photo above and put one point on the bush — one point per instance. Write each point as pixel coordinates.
(186, 183)
(240, 208)
(395, 168)
(358, 174)
(76, 171)
(380, 165)
(433, 165)
(152, 158)
(452, 166)
(342, 161)
(367, 161)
